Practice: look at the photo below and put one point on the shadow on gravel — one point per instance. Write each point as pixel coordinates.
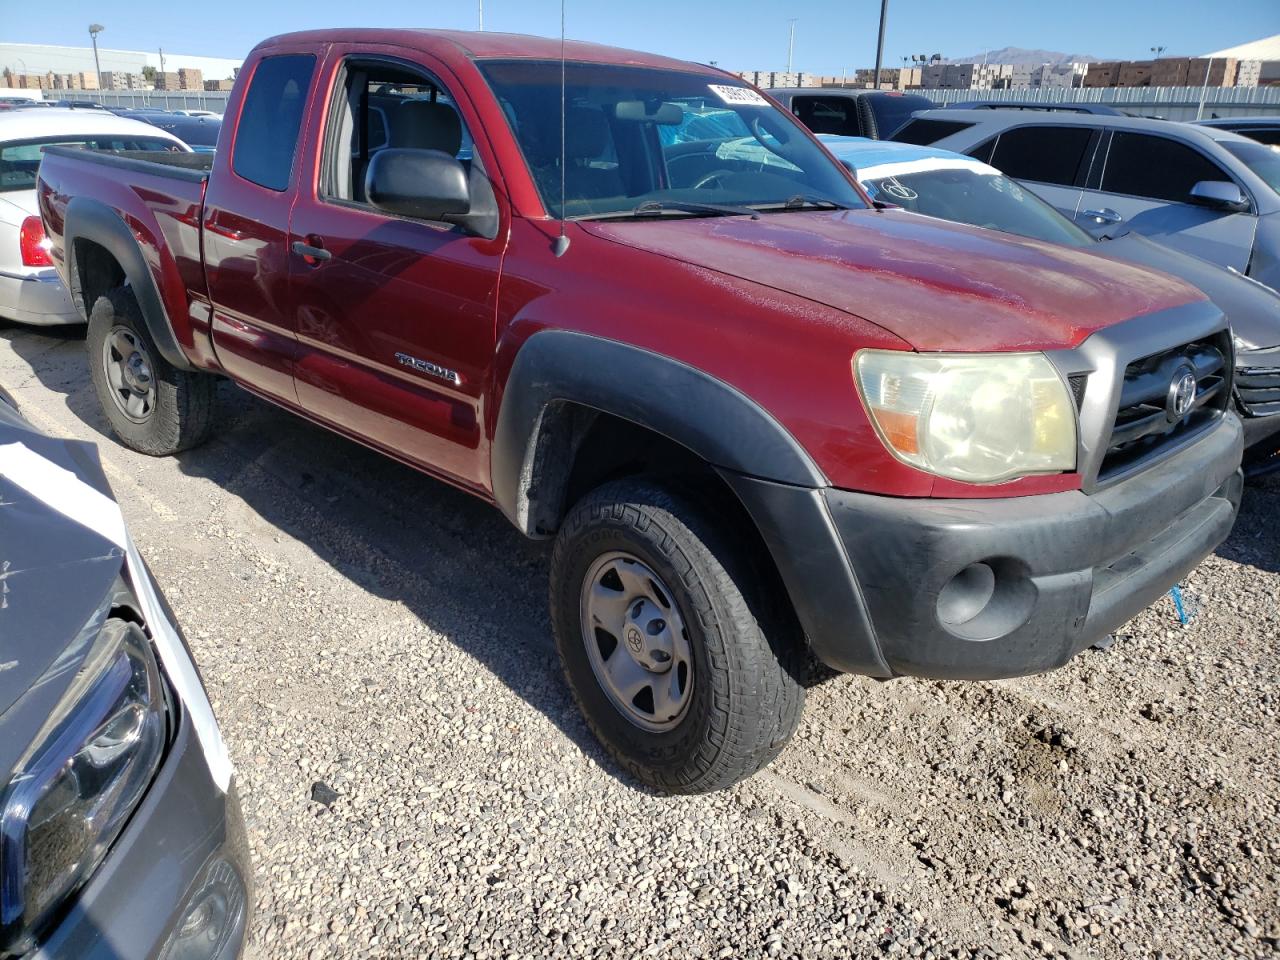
(57, 359)
(452, 560)
(1255, 542)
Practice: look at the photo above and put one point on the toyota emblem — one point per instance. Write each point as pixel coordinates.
(1182, 394)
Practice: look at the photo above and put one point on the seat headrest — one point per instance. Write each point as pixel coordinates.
(586, 132)
(424, 125)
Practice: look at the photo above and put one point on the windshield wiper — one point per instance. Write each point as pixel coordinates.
(658, 208)
(801, 201)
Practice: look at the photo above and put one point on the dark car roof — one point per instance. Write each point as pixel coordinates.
(851, 92)
(1098, 109)
(1233, 123)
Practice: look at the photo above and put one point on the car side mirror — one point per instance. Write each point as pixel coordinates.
(1220, 195)
(425, 184)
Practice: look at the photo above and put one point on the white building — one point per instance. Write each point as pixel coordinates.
(42, 58)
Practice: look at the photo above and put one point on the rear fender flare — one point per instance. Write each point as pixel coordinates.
(93, 221)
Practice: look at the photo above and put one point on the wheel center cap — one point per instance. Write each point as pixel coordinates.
(136, 374)
(648, 636)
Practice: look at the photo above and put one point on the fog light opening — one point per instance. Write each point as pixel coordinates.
(966, 594)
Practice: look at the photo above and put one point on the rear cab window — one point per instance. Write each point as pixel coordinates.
(837, 115)
(266, 138)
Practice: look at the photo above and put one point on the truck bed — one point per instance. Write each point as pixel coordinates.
(183, 166)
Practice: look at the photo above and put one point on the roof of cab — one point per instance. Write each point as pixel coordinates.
(488, 46)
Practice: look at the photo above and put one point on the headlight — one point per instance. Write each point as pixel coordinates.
(72, 793)
(974, 417)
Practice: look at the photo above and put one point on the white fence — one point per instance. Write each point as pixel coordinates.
(1172, 103)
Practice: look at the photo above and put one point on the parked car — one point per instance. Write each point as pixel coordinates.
(199, 113)
(940, 183)
(198, 133)
(851, 112)
(763, 419)
(1263, 129)
(1098, 109)
(30, 291)
(1211, 193)
(120, 829)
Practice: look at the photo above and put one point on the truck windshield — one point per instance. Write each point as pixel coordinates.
(642, 141)
(20, 162)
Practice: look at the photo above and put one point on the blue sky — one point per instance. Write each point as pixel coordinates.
(831, 35)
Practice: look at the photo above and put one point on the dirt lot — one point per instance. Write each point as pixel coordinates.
(380, 641)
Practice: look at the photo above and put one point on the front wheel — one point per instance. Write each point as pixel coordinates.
(684, 667)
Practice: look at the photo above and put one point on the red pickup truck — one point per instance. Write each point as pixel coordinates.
(766, 421)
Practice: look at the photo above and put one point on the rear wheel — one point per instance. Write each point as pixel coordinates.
(680, 661)
(152, 406)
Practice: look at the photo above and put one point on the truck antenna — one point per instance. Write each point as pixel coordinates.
(562, 241)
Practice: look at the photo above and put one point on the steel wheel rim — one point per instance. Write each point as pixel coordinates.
(130, 376)
(637, 642)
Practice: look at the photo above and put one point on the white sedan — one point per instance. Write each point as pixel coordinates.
(30, 291)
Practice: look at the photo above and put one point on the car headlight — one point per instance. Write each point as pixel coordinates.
(72, 793)
(980, 418)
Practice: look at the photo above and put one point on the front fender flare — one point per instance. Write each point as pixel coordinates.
(707, 416)
(93, 221)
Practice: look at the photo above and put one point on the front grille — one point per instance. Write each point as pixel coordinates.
(1258, 382)
(1144, 426)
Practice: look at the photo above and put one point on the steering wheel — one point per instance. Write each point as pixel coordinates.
(707, 179)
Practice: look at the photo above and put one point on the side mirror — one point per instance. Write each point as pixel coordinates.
(1220, 195)
(425, 184)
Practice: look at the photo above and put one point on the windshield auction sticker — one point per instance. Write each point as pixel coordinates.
(738, 96)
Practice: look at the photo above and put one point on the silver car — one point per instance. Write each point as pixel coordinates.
(1209, 192)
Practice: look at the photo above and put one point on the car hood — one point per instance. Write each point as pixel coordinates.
(55, 574)
(1252, 308)
(937, 285)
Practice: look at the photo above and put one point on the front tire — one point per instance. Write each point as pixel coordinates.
(685, 668)
(152, 406)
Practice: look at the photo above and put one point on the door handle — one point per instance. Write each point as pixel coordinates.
(1105, 215)
(213, 226)
(307, 252)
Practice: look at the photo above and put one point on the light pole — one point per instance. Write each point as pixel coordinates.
(1157, 51)
(94, 30)
(884, 12)
(791, 43)
(481, 16)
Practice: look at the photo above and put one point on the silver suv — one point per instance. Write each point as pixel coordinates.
(1209, 192)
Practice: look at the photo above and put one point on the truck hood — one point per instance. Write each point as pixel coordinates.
(937, 285)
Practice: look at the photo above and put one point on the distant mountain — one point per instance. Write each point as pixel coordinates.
(1020, 55)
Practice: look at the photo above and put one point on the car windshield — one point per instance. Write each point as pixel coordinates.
(1261, 158)
(647, 142)
(976, 195)
(20, 161)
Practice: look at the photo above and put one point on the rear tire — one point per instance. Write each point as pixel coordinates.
(152, 406)
(688, 598)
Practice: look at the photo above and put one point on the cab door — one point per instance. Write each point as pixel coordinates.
(1146, 187)
(247, 206)
(395, 317)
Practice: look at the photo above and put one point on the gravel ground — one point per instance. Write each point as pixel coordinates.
(417, 782)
